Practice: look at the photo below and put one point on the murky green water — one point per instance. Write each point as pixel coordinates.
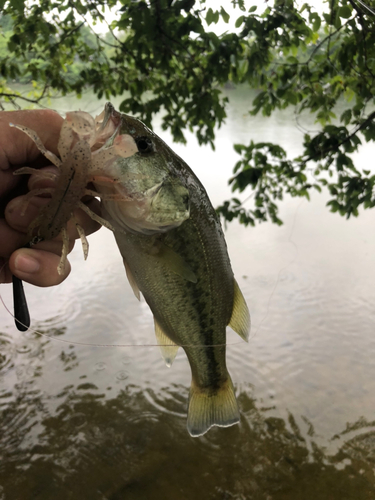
(95, 423)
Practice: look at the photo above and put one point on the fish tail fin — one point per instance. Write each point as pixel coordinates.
(209, 407)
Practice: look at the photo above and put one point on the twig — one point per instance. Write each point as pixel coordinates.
(17, 96)
(347, 138)
(67, 35)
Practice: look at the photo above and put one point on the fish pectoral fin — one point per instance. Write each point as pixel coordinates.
(167, 347)
(209, 407)
(240, 321)
(132, 281)
(175, 263)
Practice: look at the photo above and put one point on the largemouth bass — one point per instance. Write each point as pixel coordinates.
(175, 254)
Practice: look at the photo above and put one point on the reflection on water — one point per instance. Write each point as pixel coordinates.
(83, 422)
(80, 443)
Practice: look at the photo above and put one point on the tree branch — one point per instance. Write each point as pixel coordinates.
(369, 119)
(17, 96)
(67, 35)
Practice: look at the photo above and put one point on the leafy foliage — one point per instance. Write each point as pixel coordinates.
(163, 54)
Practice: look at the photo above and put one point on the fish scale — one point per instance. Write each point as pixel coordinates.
(182, 268)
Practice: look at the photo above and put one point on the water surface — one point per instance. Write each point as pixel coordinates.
(85, 422)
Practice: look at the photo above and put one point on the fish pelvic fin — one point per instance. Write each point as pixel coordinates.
(131, 280)
(209, 407)
(240, 320)
(167, 347)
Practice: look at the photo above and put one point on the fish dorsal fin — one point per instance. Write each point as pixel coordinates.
(240, 320)
(131, 280)
(175, 263)
(167, 347)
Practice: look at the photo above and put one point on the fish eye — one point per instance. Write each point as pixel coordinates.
(144, 144)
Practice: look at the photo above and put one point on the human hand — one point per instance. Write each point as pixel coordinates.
(36, 265)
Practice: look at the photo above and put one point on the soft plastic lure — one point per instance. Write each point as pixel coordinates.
(86, 145)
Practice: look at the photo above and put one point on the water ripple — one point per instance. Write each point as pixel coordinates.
(6, 352)
(100, 366)
(172, 402)
(122, 375)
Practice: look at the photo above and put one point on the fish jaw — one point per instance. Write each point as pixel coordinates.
(153, 211)
(106, 124)
(151, 199)
(136, 216)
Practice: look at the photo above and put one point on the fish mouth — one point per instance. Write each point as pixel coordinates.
(162, 224)
(108, 125)
(110, 113)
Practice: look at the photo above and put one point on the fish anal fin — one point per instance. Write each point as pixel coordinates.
(132, 281)
(167, 347)
(208, 407)
(240, 320)
(175, 263)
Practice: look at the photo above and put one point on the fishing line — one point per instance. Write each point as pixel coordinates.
(89, 344)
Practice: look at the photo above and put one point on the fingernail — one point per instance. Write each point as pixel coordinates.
(26, 264)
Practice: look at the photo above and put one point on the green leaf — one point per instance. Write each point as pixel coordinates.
(238, 148)
(292, 60)
(242, 69)
(337, 21)
(346, 116)
(291, 97)
(224, 15)
(239, 21)
(334, 205)
(349, 94)
(253, 8)
(18, 4)
(316, 21)
(345, 11)
(210, 16)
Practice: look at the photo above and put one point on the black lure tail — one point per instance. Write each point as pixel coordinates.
(21, 310)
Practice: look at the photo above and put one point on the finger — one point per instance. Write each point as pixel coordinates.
(10, 239)
(14, 212)
(38, 180)
(15, 232)
(20, 222)
(17, 148)
(37, 267)
(5, 274)
(54, 246)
